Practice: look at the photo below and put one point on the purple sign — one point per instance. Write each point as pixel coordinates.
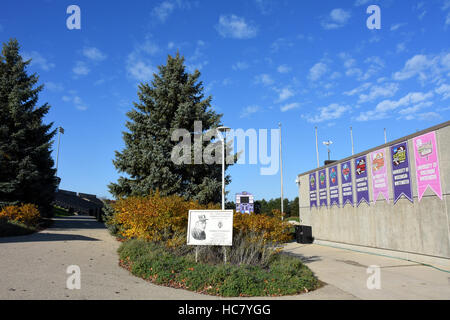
(334, 186)
(400, 171)
(312, 190)
(323, 188)
(362, 187)
(346, 183)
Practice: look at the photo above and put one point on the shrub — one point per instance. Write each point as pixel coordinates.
(153, 218)
(26, 213)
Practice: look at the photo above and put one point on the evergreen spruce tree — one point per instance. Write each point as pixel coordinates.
(26, 174)
(173, 100)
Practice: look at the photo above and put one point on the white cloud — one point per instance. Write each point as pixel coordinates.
(284, 94)
(317, 71)
(331, 112)
(289, 106)
(138, 64)
(76, 100)
(388, 90)
(281, 43)
(444, 90)
(163, 11)
(397, 26)
(38, 60)
(52, 86)
(387, 107)
(232, 26)
(264, 79)
(94, 54)
(81, 69)
(361, 2)
(248, 111)
(284, 68)
(424, 67)
(337, 18)
(359, 89)
(240, 65)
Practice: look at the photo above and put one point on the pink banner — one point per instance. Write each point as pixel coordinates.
(427, 164)
(379, 175)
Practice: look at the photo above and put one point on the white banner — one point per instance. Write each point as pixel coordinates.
(210, 227)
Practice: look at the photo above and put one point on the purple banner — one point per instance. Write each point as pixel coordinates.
(323, 188)
(346, 183)
(400, 171)
(334, 186)
(312, 190)
(362, 186)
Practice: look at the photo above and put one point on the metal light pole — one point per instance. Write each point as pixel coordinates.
(223, 130)
(60, 130)
(317, 150)
(297, 181)
(351, 137)
(327, 143)
(385, 136)
(281, 175)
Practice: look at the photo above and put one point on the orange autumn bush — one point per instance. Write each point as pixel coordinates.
(26, 213)
(271, 229)
(154, 217)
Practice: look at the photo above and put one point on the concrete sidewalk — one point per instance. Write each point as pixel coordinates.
(347, 271)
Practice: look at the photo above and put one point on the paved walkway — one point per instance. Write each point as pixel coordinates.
(34, 267)
(347, 271)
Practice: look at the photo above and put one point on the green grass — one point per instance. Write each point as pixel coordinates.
(13, 228)
(61, 212)
(285, 275)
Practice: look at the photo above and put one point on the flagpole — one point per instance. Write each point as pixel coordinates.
(281, 175)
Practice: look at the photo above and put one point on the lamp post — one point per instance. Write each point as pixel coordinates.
(60, 130)
(328, 143)
(297, 181)
(223, 130)
(281, 176)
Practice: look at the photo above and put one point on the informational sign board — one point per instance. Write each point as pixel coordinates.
(427, 164)
(401, 178)
(346, 183)
(379, 174)
(334, 186)
(312, 190)
(210, 228)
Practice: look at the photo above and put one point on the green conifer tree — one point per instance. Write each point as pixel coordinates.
(174, 99)
(26, 166)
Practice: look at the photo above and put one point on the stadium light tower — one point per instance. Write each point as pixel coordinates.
(328, 143)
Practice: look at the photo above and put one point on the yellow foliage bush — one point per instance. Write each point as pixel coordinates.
(157, 218)
(154, 218)
(26, 213)
(272, 229)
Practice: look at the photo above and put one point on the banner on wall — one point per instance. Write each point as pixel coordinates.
(362, 187)
(323, 188)
(334, 186)
(312, 190)
(401, 179)
(427, 164)
(379, 175)
(346, 183)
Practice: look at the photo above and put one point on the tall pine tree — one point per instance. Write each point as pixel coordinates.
(173, 100)
(26, 166)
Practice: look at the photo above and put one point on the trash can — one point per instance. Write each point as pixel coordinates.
(303, 234)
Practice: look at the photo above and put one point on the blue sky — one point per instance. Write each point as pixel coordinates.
(301, 63)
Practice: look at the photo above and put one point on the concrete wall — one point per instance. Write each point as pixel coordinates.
(418, 228)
